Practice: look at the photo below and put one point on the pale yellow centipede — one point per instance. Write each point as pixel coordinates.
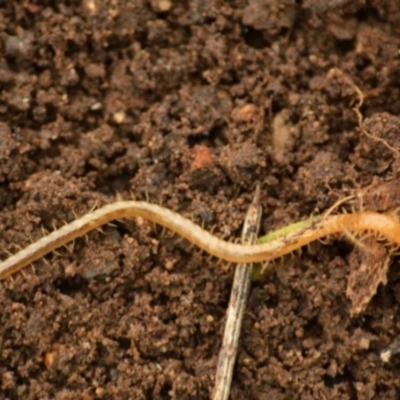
(382, 224)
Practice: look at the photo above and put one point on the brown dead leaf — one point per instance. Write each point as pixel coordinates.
(369, 266)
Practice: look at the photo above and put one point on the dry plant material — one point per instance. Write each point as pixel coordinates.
(391, 354)
(382, 196)
(369, 266)
(388, 124)
(237, 305)
(370, 261)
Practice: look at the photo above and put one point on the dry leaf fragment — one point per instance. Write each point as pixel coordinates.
(368, 268)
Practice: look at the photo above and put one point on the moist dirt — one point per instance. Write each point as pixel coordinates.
(190, 104)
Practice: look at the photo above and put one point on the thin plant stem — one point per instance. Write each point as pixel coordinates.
(237, 306)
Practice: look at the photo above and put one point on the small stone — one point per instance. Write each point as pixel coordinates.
(203, 159)
(161, 6)
(245, 113)
(119, 117)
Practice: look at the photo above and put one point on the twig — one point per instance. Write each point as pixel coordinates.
(237, 306)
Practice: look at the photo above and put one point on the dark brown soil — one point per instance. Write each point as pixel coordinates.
(192, 102)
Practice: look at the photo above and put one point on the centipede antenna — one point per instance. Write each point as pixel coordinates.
(337, 204)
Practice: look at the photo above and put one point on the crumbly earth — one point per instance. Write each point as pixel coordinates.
(192, 103)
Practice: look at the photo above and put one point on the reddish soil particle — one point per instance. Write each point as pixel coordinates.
(203, 159)
(99, 97)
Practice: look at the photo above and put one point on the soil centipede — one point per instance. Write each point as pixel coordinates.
(382, 224)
